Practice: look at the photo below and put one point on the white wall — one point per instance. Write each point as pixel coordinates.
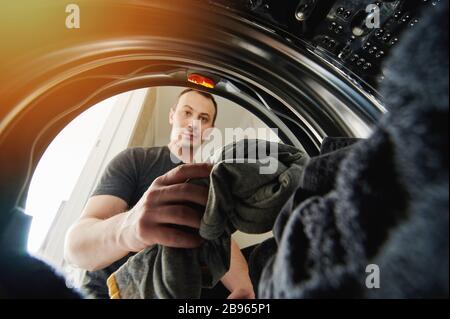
(113, 138)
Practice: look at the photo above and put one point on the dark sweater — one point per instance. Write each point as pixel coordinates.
(388, 205)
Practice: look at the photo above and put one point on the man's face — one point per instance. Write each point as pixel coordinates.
(192, 115)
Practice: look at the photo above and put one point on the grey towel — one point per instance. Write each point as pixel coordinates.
(241, 197)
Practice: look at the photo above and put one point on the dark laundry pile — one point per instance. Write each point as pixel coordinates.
(387, 202)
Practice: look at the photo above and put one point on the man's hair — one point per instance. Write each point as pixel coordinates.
(204, 94)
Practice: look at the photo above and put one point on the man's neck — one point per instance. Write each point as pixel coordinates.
(184, 153)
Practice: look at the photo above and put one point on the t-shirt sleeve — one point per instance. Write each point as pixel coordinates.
(120, 176)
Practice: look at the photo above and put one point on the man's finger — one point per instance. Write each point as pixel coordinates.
(171, 237)
(178, 215)
(179, 193)
(182, 173)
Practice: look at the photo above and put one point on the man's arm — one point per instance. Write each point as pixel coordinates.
(93, 242)
(237, 279)
(106, 231)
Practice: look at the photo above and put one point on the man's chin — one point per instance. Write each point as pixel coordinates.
(190, 143)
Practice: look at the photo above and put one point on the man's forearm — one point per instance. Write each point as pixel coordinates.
(94, 243)
(237, 278)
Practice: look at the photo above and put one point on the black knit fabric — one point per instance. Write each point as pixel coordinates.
(389, 203)
(25, 277)
(319, 175)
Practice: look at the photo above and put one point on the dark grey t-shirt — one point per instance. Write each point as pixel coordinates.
(132, 172)
(127, 176)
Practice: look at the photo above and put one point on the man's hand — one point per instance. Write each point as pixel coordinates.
(165, 203)
(242, 293)
(237, 279)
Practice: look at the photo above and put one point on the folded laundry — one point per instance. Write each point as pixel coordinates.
(240, 198)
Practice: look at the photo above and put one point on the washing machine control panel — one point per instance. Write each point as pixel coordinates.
(357, 35)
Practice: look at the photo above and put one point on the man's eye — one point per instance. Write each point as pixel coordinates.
(187, 113)
(204, 119)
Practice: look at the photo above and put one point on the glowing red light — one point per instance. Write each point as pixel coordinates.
(201, 80)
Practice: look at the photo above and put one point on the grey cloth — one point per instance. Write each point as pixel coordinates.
(389, 204)
(240, 198)
(318, 177)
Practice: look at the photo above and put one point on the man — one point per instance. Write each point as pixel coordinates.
(143, 190)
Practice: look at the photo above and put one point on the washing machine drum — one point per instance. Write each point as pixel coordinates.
(302, 69)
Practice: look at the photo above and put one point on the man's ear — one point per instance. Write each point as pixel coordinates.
(171, 113)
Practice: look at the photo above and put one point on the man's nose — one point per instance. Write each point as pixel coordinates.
(194, 124)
